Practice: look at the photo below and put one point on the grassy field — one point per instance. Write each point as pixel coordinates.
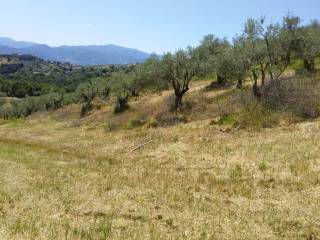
(61, 179)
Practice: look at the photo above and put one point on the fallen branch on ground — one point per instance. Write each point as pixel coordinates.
(140, 146)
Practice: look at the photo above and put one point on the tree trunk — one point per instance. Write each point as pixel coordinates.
(178, 102)
(256, 91)
(309, 65)
(263, 77)
(255, 87)
(306, 65)
(271, 75)
(220, 79)
(239, 84)
(313, 65)
(105, 93)
(121, 105)
(85, 108)
(263, 73)
(134, 93)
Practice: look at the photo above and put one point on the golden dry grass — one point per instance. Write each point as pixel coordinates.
(63, 178)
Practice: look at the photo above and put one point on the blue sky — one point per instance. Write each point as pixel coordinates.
(149, 25)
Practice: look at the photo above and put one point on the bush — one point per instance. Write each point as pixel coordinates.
(30, 105)
(110, 126)
(2, 101)
(133, 123)
(70, 98)
(228, 120)
(151, 122)
(283, 101)
(238, 109)
(258, 116)
(301, 96)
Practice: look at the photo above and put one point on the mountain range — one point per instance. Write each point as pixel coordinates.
(80, 55)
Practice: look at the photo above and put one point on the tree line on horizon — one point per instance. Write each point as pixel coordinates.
(262, 53)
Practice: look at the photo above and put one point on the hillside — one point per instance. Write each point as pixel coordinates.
(217, 141)
(27, 75)
(81, 55)
(66, 177)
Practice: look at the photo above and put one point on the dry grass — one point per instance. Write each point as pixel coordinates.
(65, 178)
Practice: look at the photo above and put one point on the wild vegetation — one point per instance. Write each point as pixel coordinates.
(25, 75)
(218, 141)
(262, 53)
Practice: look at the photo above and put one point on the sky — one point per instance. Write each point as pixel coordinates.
(149, 25)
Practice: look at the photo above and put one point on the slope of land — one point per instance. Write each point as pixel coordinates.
(68, 178)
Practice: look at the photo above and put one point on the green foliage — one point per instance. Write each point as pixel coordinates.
(262, 52)
(309, 45)
(133, 123)
(36, 77)
(151, 122)
(209, 51)
(263, 166)
(87, 92)
(236, 172)
(181, 68)
(228, 119)
(230, 65)
(110, 126)
(150, 75)
(121, 85)
(29, 105)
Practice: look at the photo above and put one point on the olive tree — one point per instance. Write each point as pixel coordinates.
(256, 49)
(232, 64)
(309, 47)
(181, 67)
(209, 51)
(281, 43)
(121, 87)
(148, 76)
(240, 62)
(103, 87)
(270, 46)
(86, 93)
(225, 66)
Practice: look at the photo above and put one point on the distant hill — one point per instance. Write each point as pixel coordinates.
(8, 42)
(82, 55)
(22, 75)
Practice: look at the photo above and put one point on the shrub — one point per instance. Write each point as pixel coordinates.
(5, 111)
(301, 96)
(110, 126)
(151, 122)
(258, 116)
(70, 98)
(133, 123)
(30, 105)
(2, 101)
(242, 109)
(235, 172)
(228, 119)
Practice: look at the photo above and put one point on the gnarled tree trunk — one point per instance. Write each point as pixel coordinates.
(309, 65)
(221, 80)
(255, 88)
(179, 93)
(121, 104)
(239, 83)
